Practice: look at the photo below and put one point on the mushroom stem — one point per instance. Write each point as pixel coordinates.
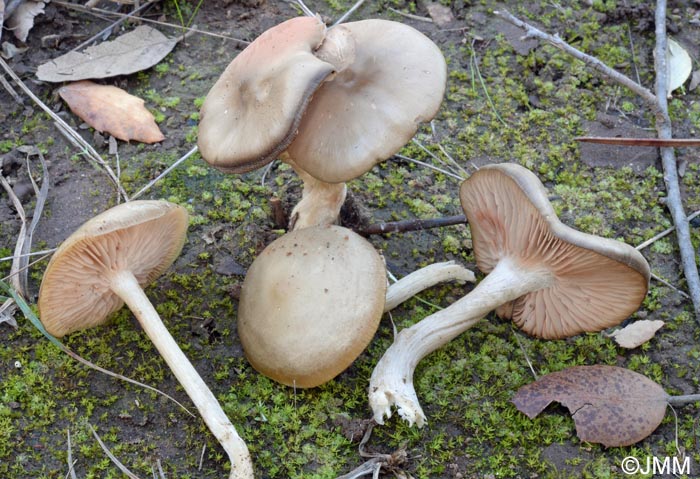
(126, 286)
(424, 278)
(391, 383)
(320, 201)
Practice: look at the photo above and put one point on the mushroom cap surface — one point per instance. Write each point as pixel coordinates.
(251, 113)
(390, 79)
(598, 282)
(310, 304)
(143, 237)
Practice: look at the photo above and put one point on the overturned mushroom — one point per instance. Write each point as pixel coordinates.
(331, 103)
(312, 301)
(553, 281)
(104, 264)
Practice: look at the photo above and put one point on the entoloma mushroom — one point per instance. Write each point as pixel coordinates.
(553, 281)
(312, 301)
(330, 102)
(106, 263)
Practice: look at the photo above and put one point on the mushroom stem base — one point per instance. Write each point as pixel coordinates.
(391, 383)
(126, 286)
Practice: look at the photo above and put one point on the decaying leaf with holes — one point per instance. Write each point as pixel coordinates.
(610, 405)
(110, 109)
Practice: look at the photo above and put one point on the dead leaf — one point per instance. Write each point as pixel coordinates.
(111, 109)
(679, 65)
(132, 52)
(610, 405)
(440, 14)
(22, 19)
(637, 333)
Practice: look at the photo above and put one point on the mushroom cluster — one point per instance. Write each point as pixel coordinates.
(330, 102)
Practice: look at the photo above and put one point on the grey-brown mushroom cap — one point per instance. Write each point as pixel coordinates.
(251, 113)
(374, 105)
(310, 304)
(143, 237)
(598, 282)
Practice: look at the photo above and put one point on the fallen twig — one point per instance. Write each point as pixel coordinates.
(657, 103)
(411, 225)
(111, 456)
(655, 142)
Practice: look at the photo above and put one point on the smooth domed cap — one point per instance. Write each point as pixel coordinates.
(391, 79)
(598, 282)
(251, 113)
(143, 237)
(310, 304)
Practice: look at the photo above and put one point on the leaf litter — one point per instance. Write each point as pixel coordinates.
(129, 53)
(110, 109)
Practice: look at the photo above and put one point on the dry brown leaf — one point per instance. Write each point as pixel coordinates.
(22, 19)
(637, 333)
(112, 110)
(137, 50)
(610, 405)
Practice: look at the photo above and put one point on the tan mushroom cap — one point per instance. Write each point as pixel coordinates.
(310, 304)
(598, 282)
(393, 78)
(143, 236)
(251, 113)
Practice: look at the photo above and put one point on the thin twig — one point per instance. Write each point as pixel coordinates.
(411, 225)
(69, 458)
(658, 105)
(347, 14)
(670, 165)
(655, 142)
(114, 24)
(164, 173)
(669, 285)
(21, 238)
(411, 16)
(93, 11)
(111, 456)
(10, 90)
(65, 129)
(665, 232)
(432, 167)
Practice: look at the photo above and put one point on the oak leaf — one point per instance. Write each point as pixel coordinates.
(110, 109)
(610, 405)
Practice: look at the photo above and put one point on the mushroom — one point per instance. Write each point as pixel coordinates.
(104, 264)
(331, 103)
(312, 301)
(553, 281)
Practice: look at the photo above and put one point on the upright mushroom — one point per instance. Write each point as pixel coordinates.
(312, 301)
(553, 281)
(104, 264)
(331, 103)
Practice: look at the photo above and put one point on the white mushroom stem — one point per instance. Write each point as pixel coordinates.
(320, 201)
(391, 383)
(125, 285)
(424, 278)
